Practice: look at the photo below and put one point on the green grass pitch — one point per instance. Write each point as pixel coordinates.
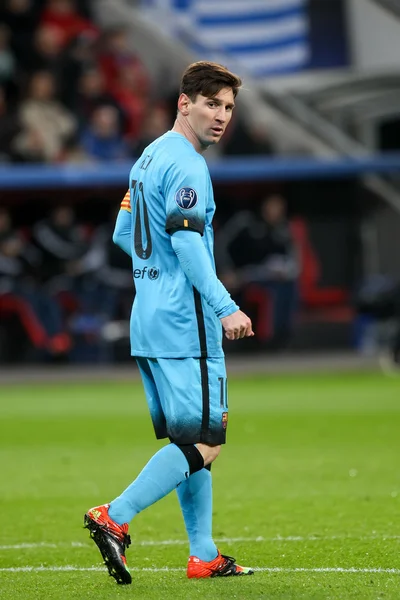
(307, 490)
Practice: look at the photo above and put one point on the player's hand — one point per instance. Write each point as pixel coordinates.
(237, 326)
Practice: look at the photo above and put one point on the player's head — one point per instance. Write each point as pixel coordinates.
(206, 101)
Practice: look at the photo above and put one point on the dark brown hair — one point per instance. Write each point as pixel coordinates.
(207, 79)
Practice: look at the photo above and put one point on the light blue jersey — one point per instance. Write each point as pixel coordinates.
(171, 190)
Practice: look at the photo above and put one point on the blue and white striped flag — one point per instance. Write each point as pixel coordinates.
(261, 36)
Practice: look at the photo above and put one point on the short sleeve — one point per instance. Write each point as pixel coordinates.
(185, 190)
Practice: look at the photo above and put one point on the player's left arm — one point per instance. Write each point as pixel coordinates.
(196, 265)
(186, 192)
(122, 235)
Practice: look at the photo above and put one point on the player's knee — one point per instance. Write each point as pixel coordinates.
(199, 455)
(193, 456)
(215, 452)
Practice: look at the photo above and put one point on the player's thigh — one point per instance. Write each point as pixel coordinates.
(193, 397)
(146, 368)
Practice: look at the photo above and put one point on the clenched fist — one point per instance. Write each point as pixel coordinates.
(237, 326)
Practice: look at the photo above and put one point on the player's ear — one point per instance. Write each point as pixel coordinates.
(183, 104)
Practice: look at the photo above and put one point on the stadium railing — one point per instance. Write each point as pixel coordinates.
(18, 177)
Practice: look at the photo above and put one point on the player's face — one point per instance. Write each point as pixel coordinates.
(209, 117)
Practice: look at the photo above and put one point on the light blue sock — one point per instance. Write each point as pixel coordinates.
(164, 471)
(195, 498)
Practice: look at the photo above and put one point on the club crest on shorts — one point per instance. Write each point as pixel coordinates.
(224, 420)
(186, 198)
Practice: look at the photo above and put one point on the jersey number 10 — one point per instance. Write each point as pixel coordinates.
(141, 222)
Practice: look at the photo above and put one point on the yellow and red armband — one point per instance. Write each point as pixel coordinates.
(126, 202)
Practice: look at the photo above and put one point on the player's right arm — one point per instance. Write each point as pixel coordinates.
(122, 235)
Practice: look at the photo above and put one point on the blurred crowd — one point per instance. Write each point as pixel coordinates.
(69, 92)
(61, 285)
(72, 92)
(66, 289)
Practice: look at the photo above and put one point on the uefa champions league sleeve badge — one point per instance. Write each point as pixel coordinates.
(186, 198)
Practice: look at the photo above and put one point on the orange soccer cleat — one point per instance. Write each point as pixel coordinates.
(221, 566)
(111, 539)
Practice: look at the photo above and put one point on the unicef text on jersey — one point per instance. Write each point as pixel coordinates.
(152, 273)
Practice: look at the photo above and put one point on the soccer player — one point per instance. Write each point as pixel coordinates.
(164, 224)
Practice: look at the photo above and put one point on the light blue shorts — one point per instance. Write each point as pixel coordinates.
(187, 398)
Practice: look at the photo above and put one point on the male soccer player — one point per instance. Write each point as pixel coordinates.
(164, 224)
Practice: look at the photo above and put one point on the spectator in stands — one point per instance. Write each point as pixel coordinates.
(9, 128)
(21, 16)
(48, 54)
(14, 260)
(81, 56)
(126, 78)
(102, 140)
(21, 294)
(134, 104)
(92, 94)
(7, 60)
(62, 243)
(115, 55)
(109, 281)
(44, 117)
(65, 17)
(258, 250)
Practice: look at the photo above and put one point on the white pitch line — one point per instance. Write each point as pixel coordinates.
(70, 568)
(222, 540)
(28, 546)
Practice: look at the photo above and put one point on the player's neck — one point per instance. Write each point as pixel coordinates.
(181, 126)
